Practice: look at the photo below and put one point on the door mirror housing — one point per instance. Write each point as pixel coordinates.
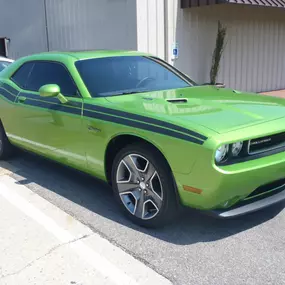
(52, 90)
(49, 90)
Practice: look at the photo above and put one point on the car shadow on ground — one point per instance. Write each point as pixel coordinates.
(191, 227)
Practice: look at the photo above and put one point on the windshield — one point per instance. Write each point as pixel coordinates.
(111, 76)
(3, 64)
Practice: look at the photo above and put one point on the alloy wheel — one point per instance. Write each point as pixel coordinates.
(139, 186)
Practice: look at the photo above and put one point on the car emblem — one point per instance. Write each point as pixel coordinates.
(261, 141)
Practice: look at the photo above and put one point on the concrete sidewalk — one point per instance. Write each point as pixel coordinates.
(41, 244)
(277, 93)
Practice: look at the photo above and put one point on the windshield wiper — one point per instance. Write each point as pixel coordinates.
(123, 92)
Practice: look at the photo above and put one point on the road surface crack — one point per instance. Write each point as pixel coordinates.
(31, 263)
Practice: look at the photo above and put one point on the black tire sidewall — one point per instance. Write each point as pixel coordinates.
(2, 146)
(6, 149)
(169, 204)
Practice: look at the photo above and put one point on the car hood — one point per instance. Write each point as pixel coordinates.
(218, 109)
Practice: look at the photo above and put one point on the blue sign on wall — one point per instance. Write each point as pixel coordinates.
(175, 51)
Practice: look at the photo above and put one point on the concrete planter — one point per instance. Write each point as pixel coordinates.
(218, 85)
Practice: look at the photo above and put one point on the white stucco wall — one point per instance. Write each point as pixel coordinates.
(92, 24)
(76, 24)
(23, 25)
(254, 58)
(151, 26)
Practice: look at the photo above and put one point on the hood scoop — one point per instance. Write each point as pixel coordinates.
(177, 100)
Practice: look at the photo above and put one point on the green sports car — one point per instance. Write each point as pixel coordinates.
(157, 137)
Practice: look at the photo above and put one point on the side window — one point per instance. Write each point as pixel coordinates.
(51, 73)
(20, 77)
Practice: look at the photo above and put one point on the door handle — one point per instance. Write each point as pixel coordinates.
(21, 99)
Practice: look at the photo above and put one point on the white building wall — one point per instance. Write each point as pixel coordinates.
(151, 27)
(254, 58)
(40, 25)
(24, 23)
(91, 24)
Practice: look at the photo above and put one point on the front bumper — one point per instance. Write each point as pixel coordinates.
(231, 189)
(228, 191)
(250, 206)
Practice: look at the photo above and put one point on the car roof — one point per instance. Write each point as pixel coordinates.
(87, 54)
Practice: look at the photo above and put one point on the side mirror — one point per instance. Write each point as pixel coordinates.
(52, 90)
(49, 90)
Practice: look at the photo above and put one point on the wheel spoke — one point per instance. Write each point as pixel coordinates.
(126, 186)
(150, 171)
(155, 186)
(132, 167)
(139, 211)
(156, 199)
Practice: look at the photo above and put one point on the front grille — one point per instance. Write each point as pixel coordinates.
(266, 143)
(273, 187)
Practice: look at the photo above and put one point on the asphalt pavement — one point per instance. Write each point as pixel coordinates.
(197, 249)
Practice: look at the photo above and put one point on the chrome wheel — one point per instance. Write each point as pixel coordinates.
(139, 186)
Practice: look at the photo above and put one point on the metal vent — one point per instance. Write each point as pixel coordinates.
(177, 100)
(274, 186)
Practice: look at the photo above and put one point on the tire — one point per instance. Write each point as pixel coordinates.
(6, 149)
(144, 187)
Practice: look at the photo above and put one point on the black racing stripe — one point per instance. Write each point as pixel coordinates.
(51, 100)
(144, 119)
(140, 125)
(105, 117)
(7, 95)
(68, 108)
(38, 97)
(109, 111)
(11, 89)
(53, 107)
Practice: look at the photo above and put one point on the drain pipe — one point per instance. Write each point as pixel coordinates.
(166, 50)
(46, 25)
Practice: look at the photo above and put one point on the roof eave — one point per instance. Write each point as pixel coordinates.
(264, 3)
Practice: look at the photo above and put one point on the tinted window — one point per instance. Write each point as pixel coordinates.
(128, 74)
(51, 73)
(3, 64)
(20, 77)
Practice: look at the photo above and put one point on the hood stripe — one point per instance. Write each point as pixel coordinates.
(141, 125)
(144, 119)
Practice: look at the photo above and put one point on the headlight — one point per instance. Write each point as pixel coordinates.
(221, 153)
(236, 148)
(230, 153)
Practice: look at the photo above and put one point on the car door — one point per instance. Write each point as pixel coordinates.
(45, 125)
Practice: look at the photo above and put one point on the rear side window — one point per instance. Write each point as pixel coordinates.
(51, 73)
(20, 77)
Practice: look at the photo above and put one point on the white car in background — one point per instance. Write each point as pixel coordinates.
(4, 62)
